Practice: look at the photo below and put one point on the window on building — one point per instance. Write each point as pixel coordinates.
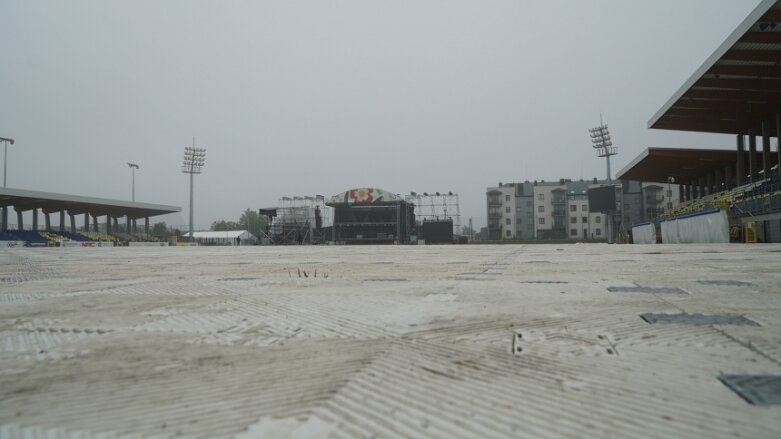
(517, 221)
(598, 219)
(541, 220)
(573, 232)
(584, 207)
(598, 232)
(506, 198)
(669, 193)
(540, 208)
(507, 209)
(508, 233)
(573, 208)
(528, 204)
(529, 226)
(573, 220)
(518, 209)
(584, 219)
(541, 197)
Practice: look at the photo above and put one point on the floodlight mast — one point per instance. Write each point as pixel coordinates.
(133, 168)
(194, 159)
(600, 140)
(6, 141)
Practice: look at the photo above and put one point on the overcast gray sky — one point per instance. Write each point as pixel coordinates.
(316, 97)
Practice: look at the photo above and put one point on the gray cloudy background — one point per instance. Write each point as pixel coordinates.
(316, 97)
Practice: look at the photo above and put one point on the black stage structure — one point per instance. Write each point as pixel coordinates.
(371, 216)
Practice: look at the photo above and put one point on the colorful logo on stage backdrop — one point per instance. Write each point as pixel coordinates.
(365, 195)
(361, 196)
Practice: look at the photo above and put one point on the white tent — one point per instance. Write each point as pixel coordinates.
(228, 237)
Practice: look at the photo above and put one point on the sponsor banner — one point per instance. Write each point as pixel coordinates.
(187, 244)
(148, 244)
(11, 244)
(86, 244)
(70, 243)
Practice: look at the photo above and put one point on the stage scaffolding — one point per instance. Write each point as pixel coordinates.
(436, 207)
(297, 220)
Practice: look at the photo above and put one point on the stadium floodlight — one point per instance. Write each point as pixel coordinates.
(600, 140)
(194, 159)
(6, 141)
(133, 168)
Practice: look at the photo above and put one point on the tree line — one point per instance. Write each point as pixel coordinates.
(249, 220)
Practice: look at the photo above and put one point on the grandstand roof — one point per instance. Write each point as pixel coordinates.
(50, 202)
(658, 164)
(738, 86)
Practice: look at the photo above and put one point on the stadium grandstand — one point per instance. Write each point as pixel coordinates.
(74, 207)
(736, 91)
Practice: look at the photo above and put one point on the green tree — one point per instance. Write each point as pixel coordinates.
(222, 226)
(160, 230)
(252, 222)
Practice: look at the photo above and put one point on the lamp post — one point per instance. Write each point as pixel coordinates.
(6, 141)
(600, 140)
(194, 159)
(133, 168)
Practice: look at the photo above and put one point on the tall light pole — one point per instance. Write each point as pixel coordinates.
(194, 158)
(6, 141)
(133, 168)
(600, 140)
(5, 166)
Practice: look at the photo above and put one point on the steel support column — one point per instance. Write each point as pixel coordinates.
(709, 183)
(778, 140)
(86, 222)
(740, 171)
(765, 150)
(47, 221)
(728, 178)
(95, 223)
(62, 220)
(752, 156)
(719, 180)
(73, 222)
(701, 187)
(35, 220)
(146, 226)
(19, 220)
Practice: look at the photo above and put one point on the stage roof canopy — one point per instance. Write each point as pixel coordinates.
(75, 205)
(737, 87)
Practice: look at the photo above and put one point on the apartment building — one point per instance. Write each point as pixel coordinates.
(511, 211)
(560, 209)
